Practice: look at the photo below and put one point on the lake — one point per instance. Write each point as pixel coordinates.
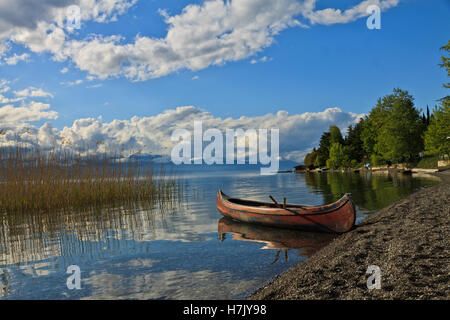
(186, 251)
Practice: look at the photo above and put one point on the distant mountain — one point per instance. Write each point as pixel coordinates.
(283, 164)
(147, 157)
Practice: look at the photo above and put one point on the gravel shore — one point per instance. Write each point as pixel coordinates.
(408, 241)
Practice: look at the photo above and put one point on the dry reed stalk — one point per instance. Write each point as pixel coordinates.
(32, 180)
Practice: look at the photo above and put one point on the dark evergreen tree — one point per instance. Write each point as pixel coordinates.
(323, 151)
(353, 144)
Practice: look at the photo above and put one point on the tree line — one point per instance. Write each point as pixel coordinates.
(394, 131)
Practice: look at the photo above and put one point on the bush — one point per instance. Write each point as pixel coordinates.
(428, 163)
(354, 163)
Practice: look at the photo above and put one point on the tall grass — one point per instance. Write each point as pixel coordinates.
(34, 180)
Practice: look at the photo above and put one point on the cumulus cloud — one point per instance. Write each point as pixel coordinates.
(40, 25)
(33, 111)
(201, 35)
(29, 13)
(298, 132)
(211, 33)
(28, 110)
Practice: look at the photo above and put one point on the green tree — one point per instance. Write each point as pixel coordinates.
(353, 142)
(426, 118)
(400, 137)
(323, 151)
(393, 129)
(437, 136)
(446, 64)
(346, 160)
(310, 158)
(336, 156)
(335, 135)
(372, 125)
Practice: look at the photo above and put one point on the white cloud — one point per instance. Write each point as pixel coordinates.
(201, 35)
(332, 16)
(263, 59)
(18, 111)
(64, 70)
(33, 92)
(71, 83)
(298, 132)
(211, 33)
(40, 25)
(28, 13)
(4, 99)
(13, 60)
(4, 88)
(33, 111)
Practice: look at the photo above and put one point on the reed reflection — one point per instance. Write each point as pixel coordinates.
(34, 237)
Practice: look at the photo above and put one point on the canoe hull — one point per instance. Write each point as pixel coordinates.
(337, 217)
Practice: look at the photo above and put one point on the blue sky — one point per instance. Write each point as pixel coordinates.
(303, 69)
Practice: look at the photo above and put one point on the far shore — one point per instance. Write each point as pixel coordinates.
(377, 169)
(408, 241)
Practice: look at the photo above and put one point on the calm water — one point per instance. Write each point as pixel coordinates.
(188, 252)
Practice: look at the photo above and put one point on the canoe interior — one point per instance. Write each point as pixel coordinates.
(252, 203)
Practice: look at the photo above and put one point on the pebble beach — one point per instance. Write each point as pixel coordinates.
(408, 241)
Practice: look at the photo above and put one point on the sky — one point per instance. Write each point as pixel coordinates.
(135, 70)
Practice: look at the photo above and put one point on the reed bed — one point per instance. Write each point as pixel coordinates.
(32, 180)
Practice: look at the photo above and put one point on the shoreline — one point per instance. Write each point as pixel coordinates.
(408, 240)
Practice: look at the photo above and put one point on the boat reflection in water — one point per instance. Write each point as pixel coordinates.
(307, 243)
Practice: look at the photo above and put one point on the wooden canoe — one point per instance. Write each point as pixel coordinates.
(336, 217)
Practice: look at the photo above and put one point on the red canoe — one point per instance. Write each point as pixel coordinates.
(336, 217)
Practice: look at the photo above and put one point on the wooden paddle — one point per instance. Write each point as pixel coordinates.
(275, 201)
(296, 213)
